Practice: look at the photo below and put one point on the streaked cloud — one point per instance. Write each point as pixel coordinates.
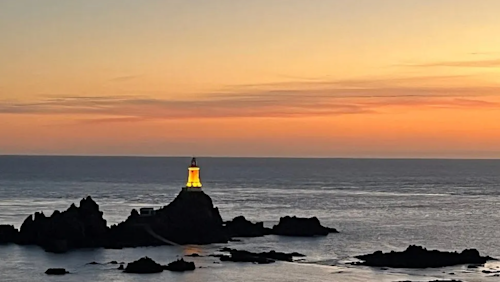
(490, 63)
(124, 78)
(292, 99)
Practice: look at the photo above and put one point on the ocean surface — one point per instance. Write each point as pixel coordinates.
(375, 204)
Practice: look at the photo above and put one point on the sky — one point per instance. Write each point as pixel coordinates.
(260, 78)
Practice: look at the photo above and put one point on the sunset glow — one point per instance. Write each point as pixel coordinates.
(251, 78)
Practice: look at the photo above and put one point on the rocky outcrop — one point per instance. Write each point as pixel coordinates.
(419, 257)
(303, 227)
(143, 266)
(56, 271)
(260, 258)
(190, 219)
(180, 266)
(77, 227)
(241, 227)
(8, 234)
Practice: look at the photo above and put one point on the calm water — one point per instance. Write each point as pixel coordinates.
(375, 204)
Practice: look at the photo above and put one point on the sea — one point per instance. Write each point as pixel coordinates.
(376, 204)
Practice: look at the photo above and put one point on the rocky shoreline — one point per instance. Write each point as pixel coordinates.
(190, 218)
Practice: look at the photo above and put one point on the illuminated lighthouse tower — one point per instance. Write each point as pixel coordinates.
(194, 182)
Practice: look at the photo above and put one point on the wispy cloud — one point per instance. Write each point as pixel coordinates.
(124, 78)
(490, 63)
(295, 99)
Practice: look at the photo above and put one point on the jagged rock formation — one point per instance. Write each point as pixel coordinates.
(420, 257)
(8, 234)
(303, 227)
(77, 227)
(143, 266)
(190, 219)
(241, 227)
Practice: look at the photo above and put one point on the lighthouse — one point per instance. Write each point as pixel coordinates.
(194, 182)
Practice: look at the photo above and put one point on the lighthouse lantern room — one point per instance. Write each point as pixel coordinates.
(194, 182)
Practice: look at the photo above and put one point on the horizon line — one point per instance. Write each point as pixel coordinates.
(243, 157)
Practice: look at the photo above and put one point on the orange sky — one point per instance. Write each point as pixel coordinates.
(254, 78)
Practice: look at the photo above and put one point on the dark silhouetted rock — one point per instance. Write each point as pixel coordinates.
(264, 257)
(56, 271)
(190, 219)
(93, 263)
(8, 234)
(180, 266)
(121, 267)
(419, 257)
(304, 227)
(143, 266)
(241, 227)
(77, 227)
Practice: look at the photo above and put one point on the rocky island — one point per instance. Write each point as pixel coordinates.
(190, 218)
(420, 257)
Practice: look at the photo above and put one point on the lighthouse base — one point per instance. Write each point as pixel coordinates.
(192, 189)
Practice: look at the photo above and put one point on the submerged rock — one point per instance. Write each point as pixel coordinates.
(8, 234)
(419, 257)
(56, 271)
(180, 266)
(143, 266)
(304, 227)
(241, 227)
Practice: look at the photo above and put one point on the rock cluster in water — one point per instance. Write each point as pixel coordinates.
(190, 218)
(420, 257)
(180, 266)
(146, 265)
(259, 258)
(305, 227)
(56, 271)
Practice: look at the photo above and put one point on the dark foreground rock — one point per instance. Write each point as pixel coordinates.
(303, 227)
(260, 258)
(180, 266)
(241, 227)
(419, 257)
(77, 227)
(8, 234)
(56, 271)
(190, 219)
(143, 266)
